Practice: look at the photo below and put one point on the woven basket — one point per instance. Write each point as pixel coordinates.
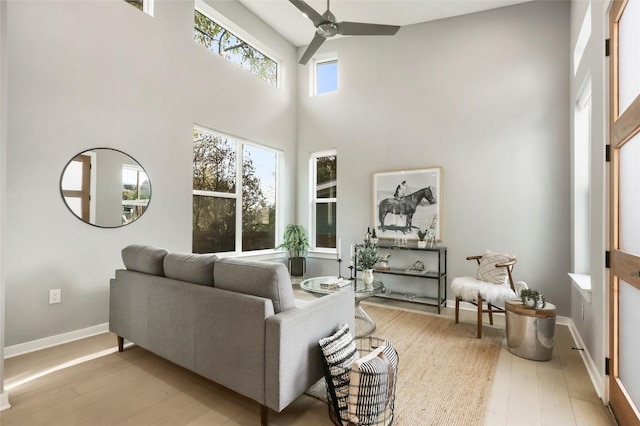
(375, 405)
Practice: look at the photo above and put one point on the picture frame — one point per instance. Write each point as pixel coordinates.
(396, 215)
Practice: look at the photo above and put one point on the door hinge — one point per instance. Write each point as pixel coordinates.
(607, 153)
(606, 366)
(607, 259)
(606, 47)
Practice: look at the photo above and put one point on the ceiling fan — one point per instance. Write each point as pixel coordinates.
(326, 26)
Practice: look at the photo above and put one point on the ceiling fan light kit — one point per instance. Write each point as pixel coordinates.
(327, 26)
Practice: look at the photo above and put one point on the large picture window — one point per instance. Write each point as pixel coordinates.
(220, 40)
(324, 199)
(234, 194)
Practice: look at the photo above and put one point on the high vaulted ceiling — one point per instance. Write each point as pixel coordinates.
(295, 27)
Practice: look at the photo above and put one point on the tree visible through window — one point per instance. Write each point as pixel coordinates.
(324, 172)
(231, 213)
(221, 41)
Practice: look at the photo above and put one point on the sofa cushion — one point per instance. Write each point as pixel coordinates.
(258, 278)
(194, 268)
(142, 258)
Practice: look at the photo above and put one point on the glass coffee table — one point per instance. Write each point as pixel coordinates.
(364, 324)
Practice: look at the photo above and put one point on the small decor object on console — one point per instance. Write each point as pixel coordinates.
(383, 263)
(532, 298)
(422, 243)
(366, 259)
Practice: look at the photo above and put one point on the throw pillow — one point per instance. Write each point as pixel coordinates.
(339, 352)
(487, 270)
(372, 385)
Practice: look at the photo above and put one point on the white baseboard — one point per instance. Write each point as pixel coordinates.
(592, 369)
(47, 342)
(4, 401)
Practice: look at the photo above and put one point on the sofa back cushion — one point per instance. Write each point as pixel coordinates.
(194, 268)
(264, 279)
(142, 258)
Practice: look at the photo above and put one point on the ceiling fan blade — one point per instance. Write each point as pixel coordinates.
(315, 44)
(359, 28)
(309, 12)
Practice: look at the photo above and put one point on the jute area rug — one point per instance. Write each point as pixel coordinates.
(444, 373)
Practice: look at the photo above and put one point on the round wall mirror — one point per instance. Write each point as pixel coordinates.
(105, 187)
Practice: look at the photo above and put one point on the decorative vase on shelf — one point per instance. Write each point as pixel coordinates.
(422, 244)
(367, 277)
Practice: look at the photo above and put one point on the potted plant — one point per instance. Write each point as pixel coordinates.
(366, 258)
(532, 298)
(296, 241)
(421, 236)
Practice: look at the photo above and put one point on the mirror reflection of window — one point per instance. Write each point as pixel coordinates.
(136, 192)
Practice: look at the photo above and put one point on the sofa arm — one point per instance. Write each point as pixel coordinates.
(292, 353)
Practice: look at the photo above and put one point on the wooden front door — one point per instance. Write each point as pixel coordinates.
(624, 278)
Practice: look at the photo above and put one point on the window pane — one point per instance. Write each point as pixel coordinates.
(214, 163)
(629, 55)
(135, 3)
(221, 41)
(326, 77)
(326, 225)
(326, 177)
(258, 199)
(75, 205)
(630, 196)
(214, 222)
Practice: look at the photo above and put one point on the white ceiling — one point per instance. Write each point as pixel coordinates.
(285, 18)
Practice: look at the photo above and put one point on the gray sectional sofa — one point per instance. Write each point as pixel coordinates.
(233, 321)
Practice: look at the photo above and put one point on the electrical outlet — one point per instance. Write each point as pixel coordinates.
(55, 296)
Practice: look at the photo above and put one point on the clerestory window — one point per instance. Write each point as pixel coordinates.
(324, 190)
(144, 5)
(234, 194)
(220, 40)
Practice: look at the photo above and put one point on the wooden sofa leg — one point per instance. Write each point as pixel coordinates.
(264, 415)
(120, 344)
(457, 307)
(490, 314)
(479, 317)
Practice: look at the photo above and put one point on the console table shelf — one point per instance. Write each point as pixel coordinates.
(438, 276)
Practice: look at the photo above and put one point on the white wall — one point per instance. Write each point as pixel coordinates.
(103, 74)
(484, 96)
(592, 328)
(4, 397)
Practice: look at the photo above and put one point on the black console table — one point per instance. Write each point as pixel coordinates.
(439, 276)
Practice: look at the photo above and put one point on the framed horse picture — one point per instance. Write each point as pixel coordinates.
(406, 202)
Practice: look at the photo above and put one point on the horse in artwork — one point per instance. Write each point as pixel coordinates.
(405, 205)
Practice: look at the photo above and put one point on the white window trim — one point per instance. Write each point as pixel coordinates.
(319, 252)
(265, 254)
(238, 31)
(148, 7)
(313, 72)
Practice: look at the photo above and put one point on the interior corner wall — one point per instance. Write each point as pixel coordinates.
(104, 74)
(4, 398)
(483, 96)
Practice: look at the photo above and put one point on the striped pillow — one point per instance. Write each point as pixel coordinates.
(340, 352)
(487, 270)
(372, 385)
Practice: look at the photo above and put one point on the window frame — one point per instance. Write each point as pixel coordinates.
(313, 73)
(147, 6)
(212, 14)
(314, 200)
(237, 195)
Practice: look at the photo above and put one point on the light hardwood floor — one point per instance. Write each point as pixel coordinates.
(78, 384)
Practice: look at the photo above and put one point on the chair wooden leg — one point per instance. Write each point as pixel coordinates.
(120, 344)
(490, 313)
(479, 317)
(457, 308)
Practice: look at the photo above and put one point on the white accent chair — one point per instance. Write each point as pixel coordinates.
(492, 285)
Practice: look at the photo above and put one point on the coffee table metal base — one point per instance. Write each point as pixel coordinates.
(364, 324)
